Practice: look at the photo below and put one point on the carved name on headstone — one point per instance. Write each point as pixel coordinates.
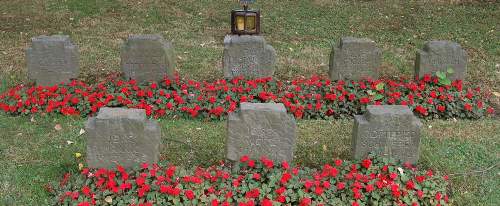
(441, 56)
(147, 58)
(355, 59)
(118, 136)
(52, 60)
(248, 56)
(389, 131)
(261, 129)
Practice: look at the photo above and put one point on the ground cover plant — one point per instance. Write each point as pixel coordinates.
(372, 181)
(311, 98)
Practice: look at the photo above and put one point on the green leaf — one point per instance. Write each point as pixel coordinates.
(378, 97)
(440, 75)
(445, 81)
(380, 86)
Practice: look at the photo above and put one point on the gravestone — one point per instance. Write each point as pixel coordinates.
(147, 58)
(440, 56)
(389, 131)
(261, 129)
(122, 136)
(248, 56)
(355, 59)
(52, 60)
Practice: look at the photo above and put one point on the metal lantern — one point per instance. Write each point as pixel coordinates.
(245, 21)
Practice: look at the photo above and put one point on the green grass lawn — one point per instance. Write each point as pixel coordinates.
(302, 31)
(34, 153)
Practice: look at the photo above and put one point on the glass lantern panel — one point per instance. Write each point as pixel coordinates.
(240, 23)
(250, 23)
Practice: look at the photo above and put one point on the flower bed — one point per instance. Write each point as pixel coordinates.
(312, 98)
(372, 181)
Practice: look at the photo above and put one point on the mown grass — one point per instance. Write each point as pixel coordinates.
(34, 153)
(302, 31)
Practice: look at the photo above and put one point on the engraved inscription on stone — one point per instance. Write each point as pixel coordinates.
(125, 137)
(52, 60)
(355, 59)
(147, 58)
(389, 131)
(440, 56)
(261, 129)
(248, 56)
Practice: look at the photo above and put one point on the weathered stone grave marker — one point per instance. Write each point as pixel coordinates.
(261, 129)
(248, 56)
(389, 131)
(52, 60)
(440, 56)
(355, 59)
(122, 136)
(147, 58)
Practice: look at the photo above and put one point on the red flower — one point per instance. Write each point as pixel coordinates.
(438, 196)
(85, 203)
(393, 175)
(479, 104)
(420, 179)
(441, 108)
(468, 107)
(140, 181)
(86, 190)
(244, 158)
(340, 186)
(427, 78)
(364, 100)
(420, 109)
(281, 199)
(369, 188)
(267, 162)
(164, 189)
(326, 184)
(280, 190)
(420, 193)
(338, 162)
(308, 184)
(410, 185)
(251, 163)
(266, 202)
(285, 178)
(189, 194)
(490, 110)
(256, 176)
(318, 190)
(305, 201)
(254, 193)
(366, 163)
(285, 165)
